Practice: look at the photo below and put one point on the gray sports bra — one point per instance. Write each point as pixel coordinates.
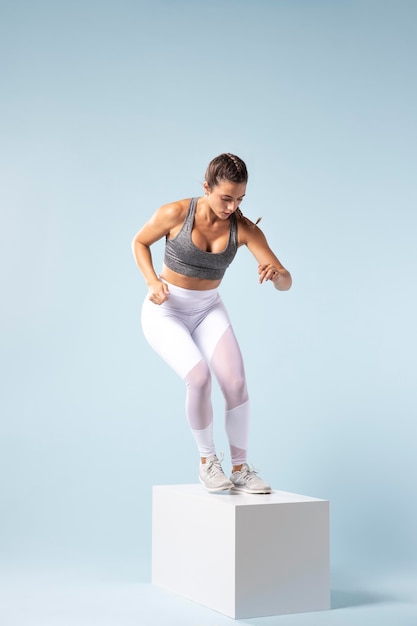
(184, 257)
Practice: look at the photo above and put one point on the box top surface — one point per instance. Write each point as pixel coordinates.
(237, 499)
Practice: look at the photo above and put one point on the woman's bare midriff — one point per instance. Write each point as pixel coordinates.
(188, 282)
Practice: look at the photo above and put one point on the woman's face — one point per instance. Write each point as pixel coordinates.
(225, 197)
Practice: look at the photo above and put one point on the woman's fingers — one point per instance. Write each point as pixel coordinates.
(267, 272)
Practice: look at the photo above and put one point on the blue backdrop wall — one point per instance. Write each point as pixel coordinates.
(110, 109)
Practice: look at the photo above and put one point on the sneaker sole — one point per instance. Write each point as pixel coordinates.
(257, 491)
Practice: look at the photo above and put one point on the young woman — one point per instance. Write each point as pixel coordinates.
(184, 318)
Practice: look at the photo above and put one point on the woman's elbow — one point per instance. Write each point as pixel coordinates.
(284, 281)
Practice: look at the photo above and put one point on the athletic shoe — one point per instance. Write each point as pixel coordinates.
(212, 476)
(248, 481)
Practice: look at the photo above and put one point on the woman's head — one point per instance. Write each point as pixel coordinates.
(226, 167)
(225, 185)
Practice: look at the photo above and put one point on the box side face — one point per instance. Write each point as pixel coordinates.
(282, 559)
(193, 548)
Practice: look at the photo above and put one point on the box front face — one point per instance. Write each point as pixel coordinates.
(193, 548)
(282, 559)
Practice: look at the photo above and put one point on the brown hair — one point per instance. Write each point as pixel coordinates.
(224, 167)
(228, 167)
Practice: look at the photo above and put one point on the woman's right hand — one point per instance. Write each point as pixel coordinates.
(158, 292)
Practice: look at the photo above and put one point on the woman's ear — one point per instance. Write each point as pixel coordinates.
(206, 188)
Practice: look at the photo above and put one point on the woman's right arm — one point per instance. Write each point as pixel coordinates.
(159, 226)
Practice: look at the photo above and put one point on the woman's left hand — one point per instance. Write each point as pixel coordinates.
(279, 276)
(267, 272)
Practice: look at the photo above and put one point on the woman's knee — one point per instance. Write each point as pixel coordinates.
(235, 391)
(199, 378)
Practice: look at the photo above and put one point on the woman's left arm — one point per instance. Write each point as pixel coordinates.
(269, 266)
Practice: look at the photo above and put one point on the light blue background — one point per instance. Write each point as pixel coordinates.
(110, 109)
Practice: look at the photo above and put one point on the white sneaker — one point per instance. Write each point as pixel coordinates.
(212, 476)
(248, 481)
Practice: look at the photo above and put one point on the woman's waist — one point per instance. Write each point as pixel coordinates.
(190, 283)
(189, 300)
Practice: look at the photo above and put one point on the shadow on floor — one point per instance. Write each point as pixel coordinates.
(344, 599)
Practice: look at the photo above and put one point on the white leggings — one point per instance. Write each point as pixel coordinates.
(193, 334)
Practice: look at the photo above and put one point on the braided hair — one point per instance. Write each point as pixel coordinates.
(228, 167)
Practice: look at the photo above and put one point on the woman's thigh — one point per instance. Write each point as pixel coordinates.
(168, 334)
(211, 328)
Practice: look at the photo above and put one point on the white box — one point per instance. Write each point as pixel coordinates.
(242, 555)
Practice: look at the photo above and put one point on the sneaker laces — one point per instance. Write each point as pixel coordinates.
(214, 465)
(249, 473)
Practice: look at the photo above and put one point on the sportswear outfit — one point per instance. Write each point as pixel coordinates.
(192, 332)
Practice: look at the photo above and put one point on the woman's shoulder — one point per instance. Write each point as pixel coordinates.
(174, 212)
(248, 230)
